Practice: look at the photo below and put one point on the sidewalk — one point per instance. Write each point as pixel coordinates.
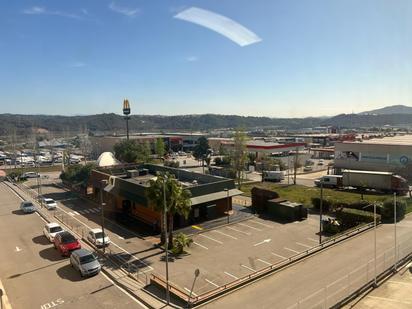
(4, 301)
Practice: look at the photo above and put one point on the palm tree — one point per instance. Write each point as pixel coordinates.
(177, 201)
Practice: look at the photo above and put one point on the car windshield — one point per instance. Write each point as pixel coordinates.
(87, 259)
(99, 235)
(68, 238)
(49, 202)
(55, 229)
(28, 204)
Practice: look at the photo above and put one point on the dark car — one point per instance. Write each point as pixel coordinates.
(66, 243)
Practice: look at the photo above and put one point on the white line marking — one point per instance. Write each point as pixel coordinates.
(212, 283)
(70, 213)
(208, 237)
(200, 245)
(262, 242)
(230, 236)
(390, 300)
(251, 227)
(230, 275)
(267, 263)
(86, 211)
(121, 289)
(95, 210)
(236, 230)
(193, 293)
(303, 245)
(120, 237)
(76, 213)
(247, 267)
(257, 222)
(286, 248)
(315, 240)
(18, 249)
(280, 256)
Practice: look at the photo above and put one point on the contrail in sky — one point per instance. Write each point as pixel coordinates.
(221, 24)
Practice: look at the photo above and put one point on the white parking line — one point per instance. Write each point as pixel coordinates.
(200, 245)
(303, 245)
(95, 210)
(208, 237)
(193, 293)
(212, 283)
(247, 267)
(239, 231)
(86, 211)
(315, 240)
(264, 262)
(230, 275)
(257, 222)
(286, 248)
(70, 213)
(278, 255)
(251, 227)
(76, 213)
(230, 236)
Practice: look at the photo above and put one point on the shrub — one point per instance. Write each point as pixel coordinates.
(326, 204)
(171, 163)
(218, 161)
(349, 217)
(387, 210)
(77, 174)
(180, 242)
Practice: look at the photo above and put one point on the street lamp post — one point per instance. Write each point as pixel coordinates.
(197, 273)
(394, 221)
(166, 241)
(126, 113)
(227, 204)
(374, 232)
(102, 204)
(320, 210)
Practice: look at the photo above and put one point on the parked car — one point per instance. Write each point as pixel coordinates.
(30, 175)
(85, 262)
(51, 229)
(95, 236)
(321, 162)
(27, 207)
(66, 243)
(308, 168)
(49, 203)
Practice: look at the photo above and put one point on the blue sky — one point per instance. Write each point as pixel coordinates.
(316, 57)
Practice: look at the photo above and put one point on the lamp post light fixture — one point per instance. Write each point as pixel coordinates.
(197, 273)
(227, 204)
(126, 113)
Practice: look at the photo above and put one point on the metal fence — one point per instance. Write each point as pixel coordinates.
(358, 278)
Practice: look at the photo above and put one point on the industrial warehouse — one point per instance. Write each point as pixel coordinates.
(388, 154)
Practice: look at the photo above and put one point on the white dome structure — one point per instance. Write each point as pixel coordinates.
(107, 159)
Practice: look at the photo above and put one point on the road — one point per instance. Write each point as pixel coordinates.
(36, 276)
(323, 279)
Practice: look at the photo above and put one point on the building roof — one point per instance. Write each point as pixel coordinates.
(405, 140)
(214, 196)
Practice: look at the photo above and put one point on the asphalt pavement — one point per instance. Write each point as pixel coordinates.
(36, 276)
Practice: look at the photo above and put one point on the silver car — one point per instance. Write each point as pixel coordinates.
(27, 207)
(85, 262)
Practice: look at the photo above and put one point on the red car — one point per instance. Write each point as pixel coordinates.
(66, 243)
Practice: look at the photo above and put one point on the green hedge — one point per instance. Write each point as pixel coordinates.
(387, 210)
(326, 204)
(349, 217)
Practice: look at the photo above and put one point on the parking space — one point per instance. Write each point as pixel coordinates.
(234, 251)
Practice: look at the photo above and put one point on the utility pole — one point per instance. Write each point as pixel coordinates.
(227, 204)
(295, 166)
(374, 231)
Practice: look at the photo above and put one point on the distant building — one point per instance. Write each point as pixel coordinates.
(127, 185)
(390, 154)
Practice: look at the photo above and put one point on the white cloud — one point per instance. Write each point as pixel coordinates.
(130, 12)
(221, 24)
(192, 59)
(38, 10)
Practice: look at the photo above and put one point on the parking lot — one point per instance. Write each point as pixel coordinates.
(231, 252)
(222, 255)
